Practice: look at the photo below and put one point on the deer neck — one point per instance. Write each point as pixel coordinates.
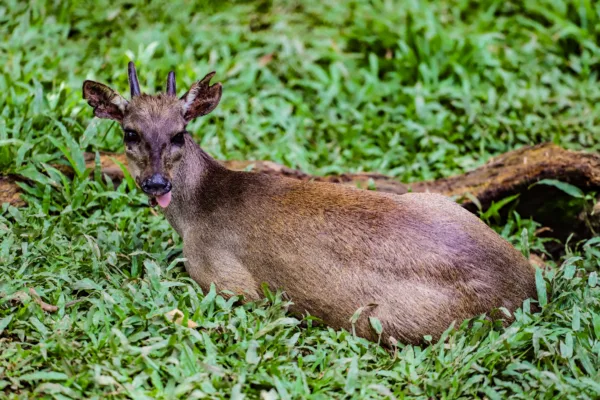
(192, 186)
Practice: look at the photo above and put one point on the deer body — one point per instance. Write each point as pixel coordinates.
(419, 261)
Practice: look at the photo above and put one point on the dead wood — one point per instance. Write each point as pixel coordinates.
(9, 191)
(22, 297)
(508, 174)
(45, 306)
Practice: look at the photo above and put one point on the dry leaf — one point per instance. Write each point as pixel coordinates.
(176, 316)
(264, 60)
(537, 261)
(542, 230)
(19, 297)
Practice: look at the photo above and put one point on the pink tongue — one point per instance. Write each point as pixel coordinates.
(164, 199)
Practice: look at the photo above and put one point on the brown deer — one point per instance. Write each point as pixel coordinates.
(419, 261)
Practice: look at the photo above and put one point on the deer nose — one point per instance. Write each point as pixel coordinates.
(156, 185)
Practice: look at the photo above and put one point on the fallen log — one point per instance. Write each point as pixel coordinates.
(508, 174)
(9, 191)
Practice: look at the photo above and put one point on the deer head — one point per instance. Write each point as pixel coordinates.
(154, 127)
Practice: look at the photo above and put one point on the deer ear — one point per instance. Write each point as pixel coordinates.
(106, 102)
(201, 98)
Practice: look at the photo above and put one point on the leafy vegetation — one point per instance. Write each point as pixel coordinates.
(416, 89)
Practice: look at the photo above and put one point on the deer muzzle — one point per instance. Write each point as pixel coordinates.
(158, 187)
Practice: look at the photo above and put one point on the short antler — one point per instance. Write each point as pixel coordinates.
(134, 85)
(171, 89)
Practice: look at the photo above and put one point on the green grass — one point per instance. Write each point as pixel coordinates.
(415, 89)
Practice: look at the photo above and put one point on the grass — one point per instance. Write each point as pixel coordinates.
(415, 89)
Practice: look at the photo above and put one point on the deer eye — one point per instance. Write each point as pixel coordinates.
(178, 139)
(131, 136)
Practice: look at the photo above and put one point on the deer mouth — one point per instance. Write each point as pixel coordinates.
(158, 188)
(163, 200)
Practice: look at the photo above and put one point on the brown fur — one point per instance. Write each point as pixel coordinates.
(420, 259)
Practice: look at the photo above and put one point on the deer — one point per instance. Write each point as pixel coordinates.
(418, 262)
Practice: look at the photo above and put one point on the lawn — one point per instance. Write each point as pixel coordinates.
(414, 89)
